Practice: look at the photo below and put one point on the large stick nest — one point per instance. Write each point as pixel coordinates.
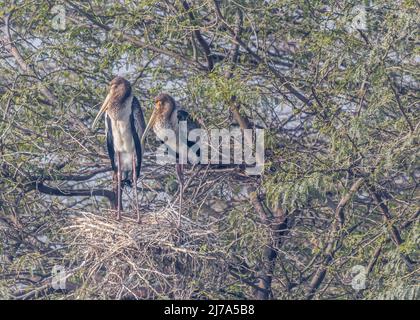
(154, 259)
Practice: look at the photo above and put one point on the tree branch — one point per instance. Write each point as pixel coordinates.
(39, 186)
(258, 59)
(133, 40)
(277, 228)
(334, 237)
(203, 43)
(21, 61)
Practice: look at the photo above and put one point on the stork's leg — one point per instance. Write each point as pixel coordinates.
(136, 197)
(119, 193)
(180, 176)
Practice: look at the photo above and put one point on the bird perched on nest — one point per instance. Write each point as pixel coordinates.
(124, 127)
(167, 115)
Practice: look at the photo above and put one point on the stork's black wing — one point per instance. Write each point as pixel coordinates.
(110, 142)
(182, 115)
(137, 127)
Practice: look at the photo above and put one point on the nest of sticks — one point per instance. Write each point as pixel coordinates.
(154, 259)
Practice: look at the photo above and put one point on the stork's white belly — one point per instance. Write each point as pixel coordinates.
(122, 137)
(123, 143)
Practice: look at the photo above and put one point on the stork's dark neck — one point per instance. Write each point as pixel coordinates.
(120, 108)
(165, 105)
(119, 98)
(121, 93)
(168, 111)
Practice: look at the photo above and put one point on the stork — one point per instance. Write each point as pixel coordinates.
(167, 115)
(124, 127)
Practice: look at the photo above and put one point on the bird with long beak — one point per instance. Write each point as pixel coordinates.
(167, 115)
(124, 127)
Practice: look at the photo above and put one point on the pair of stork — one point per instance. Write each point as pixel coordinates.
(126, 131)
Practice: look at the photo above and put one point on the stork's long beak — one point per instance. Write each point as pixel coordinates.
(152, 121)
(102, 110)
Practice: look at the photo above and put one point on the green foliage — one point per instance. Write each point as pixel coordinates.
(358, 118)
